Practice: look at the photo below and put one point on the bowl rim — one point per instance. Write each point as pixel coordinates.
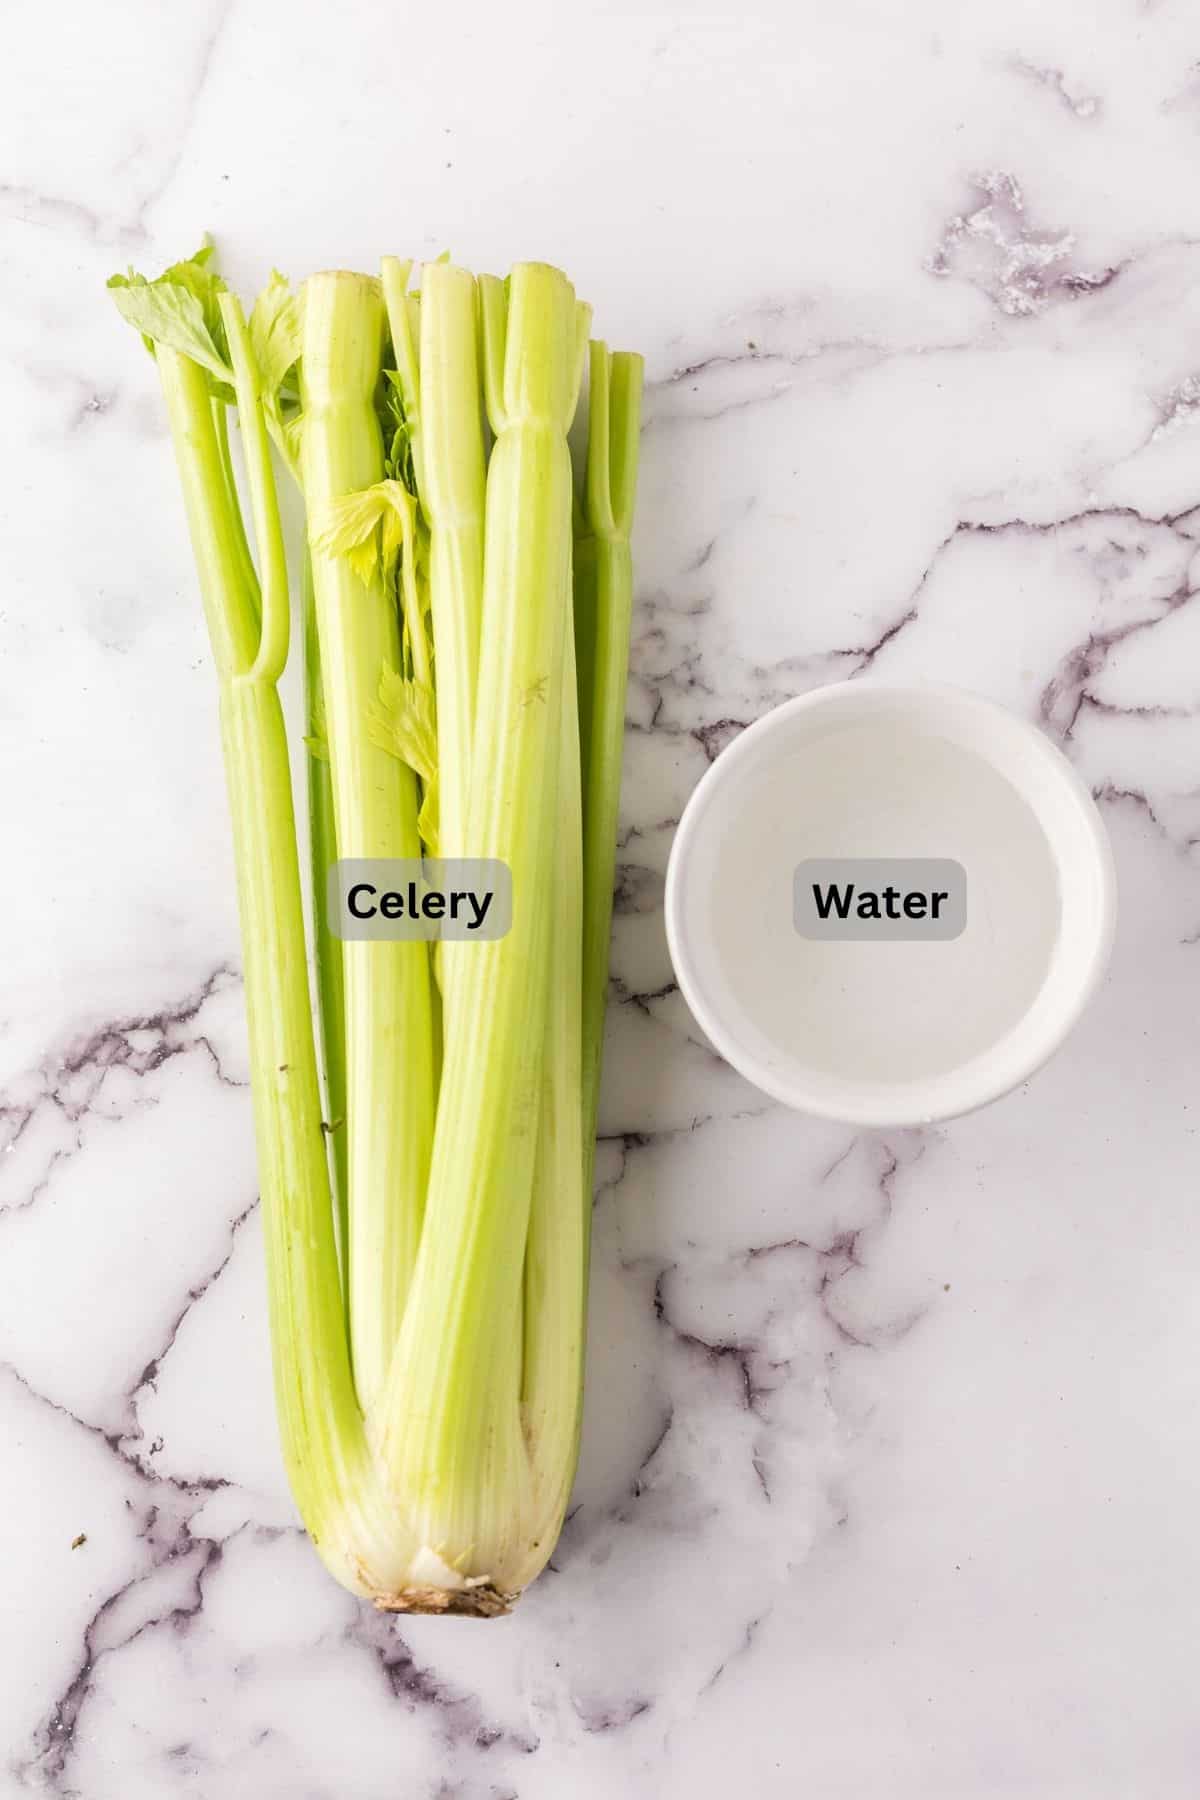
(1022, 1050)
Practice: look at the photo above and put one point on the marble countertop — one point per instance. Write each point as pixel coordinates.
(892, 1457)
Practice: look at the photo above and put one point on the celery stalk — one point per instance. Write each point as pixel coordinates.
(555, 1287)
(388, 1025)
(452, 1437)
(334, 1482)
(231, 601)
(393, 276)
(331, 980)
(451, 465)
(604, 602)
(237, 529)
(452, 496)
(592, 736)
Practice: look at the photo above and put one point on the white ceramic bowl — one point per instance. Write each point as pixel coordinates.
(877, 1033)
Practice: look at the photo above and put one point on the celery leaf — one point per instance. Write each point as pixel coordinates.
(276, 323)
(350, 526)
(179, 310)
(405, 722)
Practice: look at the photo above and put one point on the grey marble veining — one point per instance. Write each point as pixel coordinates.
(892, 1451)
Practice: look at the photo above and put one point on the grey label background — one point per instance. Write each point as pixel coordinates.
(917, 875)
(445, 875)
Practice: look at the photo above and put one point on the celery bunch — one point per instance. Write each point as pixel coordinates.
(426, 1177)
